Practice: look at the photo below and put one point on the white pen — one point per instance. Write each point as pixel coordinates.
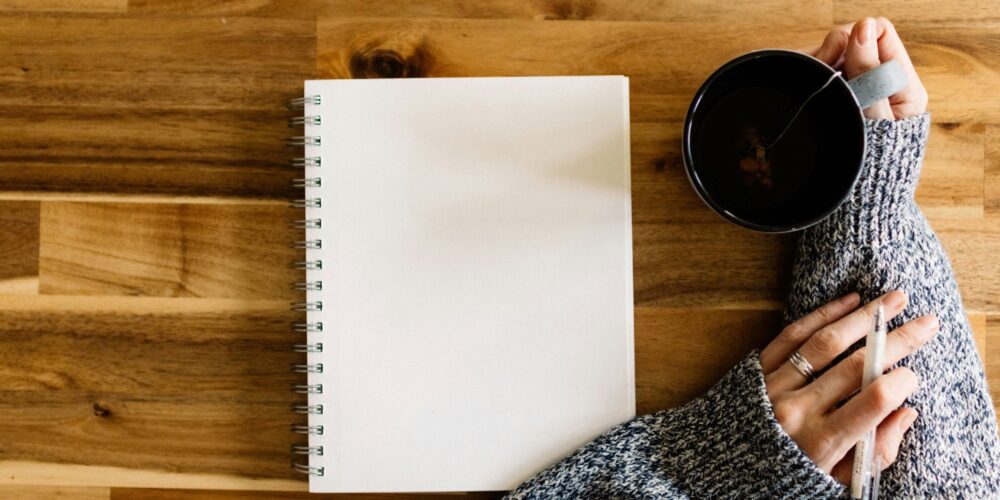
(862, 485)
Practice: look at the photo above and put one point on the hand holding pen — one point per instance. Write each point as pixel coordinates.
(808, 406)
(867, 466)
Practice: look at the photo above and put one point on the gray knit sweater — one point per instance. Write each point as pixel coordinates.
(727, 443)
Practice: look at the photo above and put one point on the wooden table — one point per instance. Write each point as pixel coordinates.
(143, 259)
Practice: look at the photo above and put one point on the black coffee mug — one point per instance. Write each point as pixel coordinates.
(756, 162)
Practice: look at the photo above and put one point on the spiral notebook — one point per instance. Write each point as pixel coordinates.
(468, 278)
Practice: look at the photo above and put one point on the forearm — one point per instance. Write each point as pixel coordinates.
(879, 241)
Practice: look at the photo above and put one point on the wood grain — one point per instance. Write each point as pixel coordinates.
(665, 61)
(951, 179)
(980, 332)
(176, 385)
(762, 12)
(173, 494)
(210, 122)
(63, 6)
(676, 266)
(933, 12)
(169, 250)
(19, 247)
(991, 179)
(225, 9)
(681, 353)
(31, 473)
(972, 246)
(54, 493)
(992, 360)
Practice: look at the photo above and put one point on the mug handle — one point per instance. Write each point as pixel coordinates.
(878, 83)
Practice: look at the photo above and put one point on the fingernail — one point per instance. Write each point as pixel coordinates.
(867, 31)
(852, 298)
(895, 299)
(907, 420)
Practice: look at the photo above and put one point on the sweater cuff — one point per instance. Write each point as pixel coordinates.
(887, 181)
(754, 453)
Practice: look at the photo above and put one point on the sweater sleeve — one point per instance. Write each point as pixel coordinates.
(879, 241)
(724, 444)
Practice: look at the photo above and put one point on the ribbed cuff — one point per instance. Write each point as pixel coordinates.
(753, 455)
(884, 193)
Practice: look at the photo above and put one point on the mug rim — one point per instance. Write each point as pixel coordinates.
(695, 180)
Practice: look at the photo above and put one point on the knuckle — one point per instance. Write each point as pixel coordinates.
(909, 338)
(888, 454)
(793, 333)
(829, 442)
(825, 313)
(838, 36)
(881, 396)
(922, 97)
(856, 362)
(786, 413)
(827, 341)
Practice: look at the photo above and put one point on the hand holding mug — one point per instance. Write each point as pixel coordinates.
(858, 47)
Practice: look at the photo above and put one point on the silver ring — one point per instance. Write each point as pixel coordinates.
(801, 364)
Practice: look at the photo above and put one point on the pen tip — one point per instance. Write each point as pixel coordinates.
(879, 315)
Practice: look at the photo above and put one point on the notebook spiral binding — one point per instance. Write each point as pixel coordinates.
(308, 243)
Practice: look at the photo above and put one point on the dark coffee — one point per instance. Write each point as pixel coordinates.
(729, 147)
(739, 126)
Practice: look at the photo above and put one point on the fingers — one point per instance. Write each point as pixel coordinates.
(913, 99)
(888, 438)
(837, 50)
(872, 405)
(832, 50)
(842, 380)
(830, 341)
(862, 54)
(795, 334)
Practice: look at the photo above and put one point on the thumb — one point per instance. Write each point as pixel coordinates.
(862, 55)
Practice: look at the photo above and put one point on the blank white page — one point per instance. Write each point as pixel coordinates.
(477, 277)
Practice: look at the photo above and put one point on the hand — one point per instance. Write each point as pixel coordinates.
(858, 47)
(807, 409)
